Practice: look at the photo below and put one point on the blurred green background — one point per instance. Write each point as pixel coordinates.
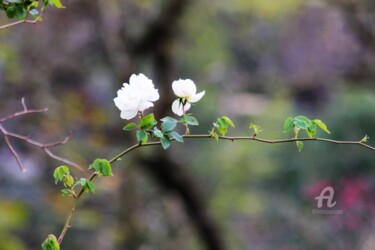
(259, 61)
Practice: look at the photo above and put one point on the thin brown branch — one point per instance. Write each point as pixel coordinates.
(33, 21)
(14, 153)
(44, 146)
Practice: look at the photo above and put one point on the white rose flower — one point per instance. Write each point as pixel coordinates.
(186, 91)
(136, 96)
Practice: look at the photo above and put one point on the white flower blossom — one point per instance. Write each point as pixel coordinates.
(136, 96)
(187, 93)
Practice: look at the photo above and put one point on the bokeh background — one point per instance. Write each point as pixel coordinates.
(259, 61)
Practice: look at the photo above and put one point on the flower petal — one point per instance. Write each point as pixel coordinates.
(128, 114)
(187, 107)
(177, 107)
(145, 105)
(196, 97)
(184, 88)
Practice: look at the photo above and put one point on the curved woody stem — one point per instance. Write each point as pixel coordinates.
(203, 136)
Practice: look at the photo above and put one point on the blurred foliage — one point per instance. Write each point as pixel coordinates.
(259, 62)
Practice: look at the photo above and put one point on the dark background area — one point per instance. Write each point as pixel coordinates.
(259, 61)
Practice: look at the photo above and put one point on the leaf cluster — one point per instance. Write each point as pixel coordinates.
(50, 243)
(166, 133)
(21, 9)
(221, 126)
(303, 123)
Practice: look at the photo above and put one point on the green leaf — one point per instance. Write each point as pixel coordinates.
(365, 139)
(68, 181)
(106, 169)
(65, 192)
(50, 243)
(302, 122)
(147, 122)
(130, 126)
(176, 136)
(11, 11)
(256, 128)
(167, 126)
(299, 145)
(311, 130)
(222, 131)
(227, 121)
(165, 142)
(87, 185)
(168, 118)
(142, 136)
(34, 12)
(288, 125)
(191, 120)
(158, 133)
(56, 3)
(21, 12)
(60, 173)
(321, 125)
(222, 123)
(102, 166)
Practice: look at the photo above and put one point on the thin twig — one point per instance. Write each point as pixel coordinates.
(44, 146)
(14, 153)
(34, 21)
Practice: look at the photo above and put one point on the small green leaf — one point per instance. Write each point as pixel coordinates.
(34, 12)
(301, 122)
(87, 185)
(147, 122)
(60, 173)
(288, 125)
(365, 139)
(50, 243)
(167, 126)
(227, 121)
(56, 3)
(68, 181)
(299, 145)
(321, 125)
(311, 130)
(102, 166)
(165, 142)
(65, 192)
(256, 128)
(21, 12)
(222, 123)
(142, 136)
(106, 169)
(176, 136)
(158, 133)
(130, 126)
(168, 118)
(222, 131)
(191, 120)
(11, 11)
